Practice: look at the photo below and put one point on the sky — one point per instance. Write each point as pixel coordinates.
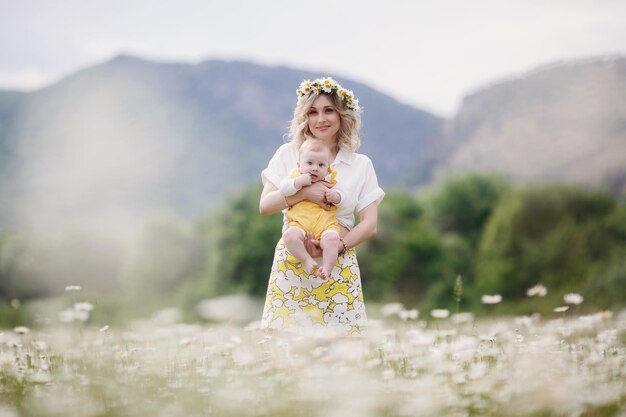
(428, 54)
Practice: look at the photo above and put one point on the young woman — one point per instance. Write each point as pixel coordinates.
(297, 301)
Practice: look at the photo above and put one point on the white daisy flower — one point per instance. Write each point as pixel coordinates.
(21, 330)
(391, 309)
(538, 289)
(573, 298)
(440, 313)
(83, 306)
(408, 314)
(491, 299)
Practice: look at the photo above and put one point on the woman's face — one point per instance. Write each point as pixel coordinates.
(324, 120)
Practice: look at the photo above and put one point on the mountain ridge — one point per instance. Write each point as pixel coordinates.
(562, 122)
(131, 134)
(143, 134)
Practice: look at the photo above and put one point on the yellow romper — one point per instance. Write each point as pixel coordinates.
(309, 216)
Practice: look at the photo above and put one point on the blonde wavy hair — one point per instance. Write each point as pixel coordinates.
(348, 136)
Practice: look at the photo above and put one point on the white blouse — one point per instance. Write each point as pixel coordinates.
(355, 176)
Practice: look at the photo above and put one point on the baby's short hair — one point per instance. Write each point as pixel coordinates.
(314, 145)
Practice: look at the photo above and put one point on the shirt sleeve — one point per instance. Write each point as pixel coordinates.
(342, 196)
(277, 169)
(370, 192)
(287, 187)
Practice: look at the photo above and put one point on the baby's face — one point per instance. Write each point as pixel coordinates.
(314, 163)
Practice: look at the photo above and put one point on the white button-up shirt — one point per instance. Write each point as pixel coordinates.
(355, 177)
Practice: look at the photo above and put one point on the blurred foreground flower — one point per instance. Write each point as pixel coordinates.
(461, 318)
(561, 309)
(408, 314)
(573, 298)
(167, 316)
(21, 330)
(83, 306)
(391, 309)
(440, 313)
(80, 312)
(235, 308)
(491, 299)
(538, 289)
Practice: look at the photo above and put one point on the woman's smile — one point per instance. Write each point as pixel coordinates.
(323, 119)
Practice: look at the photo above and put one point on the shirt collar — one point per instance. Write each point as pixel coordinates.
(345, 156)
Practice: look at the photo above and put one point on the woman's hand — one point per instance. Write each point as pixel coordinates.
(316, 193)
(312, 245)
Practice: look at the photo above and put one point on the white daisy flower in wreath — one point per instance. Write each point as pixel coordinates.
(305, 88)
(329, 86)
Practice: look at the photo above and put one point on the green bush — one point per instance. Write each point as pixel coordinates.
(552, 235)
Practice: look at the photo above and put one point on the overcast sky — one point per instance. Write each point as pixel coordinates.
(425, 53)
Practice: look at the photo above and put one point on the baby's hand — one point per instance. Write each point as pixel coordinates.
(333, 197)
(303, 180)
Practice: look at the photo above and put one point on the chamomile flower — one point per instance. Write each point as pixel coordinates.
(329, 86)
(538, 289)
(573, 298)
(440, 313)
(83, 306)
(21, 330)
(491, 299)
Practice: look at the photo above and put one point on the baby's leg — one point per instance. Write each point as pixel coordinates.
(330, 247)
(294, 241)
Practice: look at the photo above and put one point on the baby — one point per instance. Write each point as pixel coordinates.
(306, 216)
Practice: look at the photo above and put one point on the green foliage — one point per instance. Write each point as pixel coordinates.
(406, 258)
(12, 314)
(549, 234)
(500, 239)
(241, 245)
(462, 205)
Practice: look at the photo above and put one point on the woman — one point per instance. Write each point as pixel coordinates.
(296, 300)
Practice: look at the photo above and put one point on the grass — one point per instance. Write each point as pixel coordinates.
(572, 366)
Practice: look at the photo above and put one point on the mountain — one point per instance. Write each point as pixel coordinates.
(564, 122)
(112, 143)
(118, 140)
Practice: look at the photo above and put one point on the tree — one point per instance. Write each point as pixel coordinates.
(240, 245)
(406, 257)
(548, 234)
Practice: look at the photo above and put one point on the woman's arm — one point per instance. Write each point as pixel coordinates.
(366, 229)
(272, 201)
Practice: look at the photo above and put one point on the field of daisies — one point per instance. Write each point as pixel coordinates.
(409, 363)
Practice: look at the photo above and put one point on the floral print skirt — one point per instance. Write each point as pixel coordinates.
(306, 304)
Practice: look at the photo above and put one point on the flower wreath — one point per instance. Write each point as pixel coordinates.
(329, 86)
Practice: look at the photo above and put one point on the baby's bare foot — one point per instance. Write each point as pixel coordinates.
(310, 266)
(322, 273)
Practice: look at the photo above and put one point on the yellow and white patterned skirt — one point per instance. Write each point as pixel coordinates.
(306, 304)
